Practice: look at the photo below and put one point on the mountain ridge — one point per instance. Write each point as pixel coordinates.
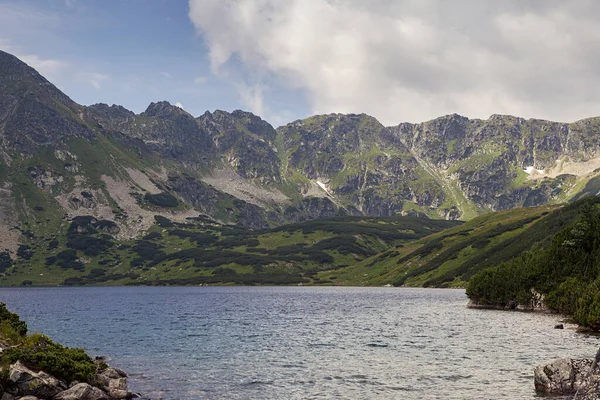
(235, 168)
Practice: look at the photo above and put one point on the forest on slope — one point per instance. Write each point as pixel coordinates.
(566, 272)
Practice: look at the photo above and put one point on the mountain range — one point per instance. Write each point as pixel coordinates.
(60, 161)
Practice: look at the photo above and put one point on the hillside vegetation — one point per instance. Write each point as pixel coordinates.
(451, 257)
(201, 251)
(566, 272)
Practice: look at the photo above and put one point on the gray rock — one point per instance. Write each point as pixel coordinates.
(120, 383)
(117, 389)
(7, 396)
(29, 398)
(564, 376)
(82, 391)
(73, 384)
(25, 382)
(109, 374)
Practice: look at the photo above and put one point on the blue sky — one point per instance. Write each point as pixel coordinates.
(398, 60)
(129, 52)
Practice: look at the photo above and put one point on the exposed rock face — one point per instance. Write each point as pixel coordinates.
(485, 157)
(33, 112)
(210, 201)
(359, 162)
(246, 143)
(25, 382)
(568, 376)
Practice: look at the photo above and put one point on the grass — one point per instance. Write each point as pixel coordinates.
(289, 252)
(449, 257)
(520, 180)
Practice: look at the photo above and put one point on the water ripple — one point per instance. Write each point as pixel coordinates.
(302, 343)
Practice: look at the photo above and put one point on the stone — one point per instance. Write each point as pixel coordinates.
(28, 398)
(563, 376)
(25, 382)
(120, 383)
(117, 389)
(7, 396)
(82, 391)
(559, 326)
(109, 374)
(113, 373)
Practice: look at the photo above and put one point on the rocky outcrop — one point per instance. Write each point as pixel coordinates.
(568, 376)
(82, 391)
(26, 384)
(33, 112)
(246, 143)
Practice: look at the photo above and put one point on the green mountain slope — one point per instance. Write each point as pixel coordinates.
(61, 161)
(201, 251)
(453, 256)
(564, 275)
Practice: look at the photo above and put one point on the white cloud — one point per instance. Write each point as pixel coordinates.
(166, 75)
(199, 80)
(178, 104)
(411, 59)
(96, 79)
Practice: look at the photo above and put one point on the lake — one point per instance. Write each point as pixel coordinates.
(302, 342)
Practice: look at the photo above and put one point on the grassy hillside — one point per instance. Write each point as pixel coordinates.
(449, 258)
(566, 272)
(201, 251)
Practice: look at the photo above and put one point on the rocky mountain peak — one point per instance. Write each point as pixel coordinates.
(33, 112)
(19, 79)
(164, 109)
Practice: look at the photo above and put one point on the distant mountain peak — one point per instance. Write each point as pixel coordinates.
(164, 109)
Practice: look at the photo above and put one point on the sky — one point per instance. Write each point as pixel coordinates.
(397, 60)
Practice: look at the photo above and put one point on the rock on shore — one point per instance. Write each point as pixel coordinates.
(25, 384)
(568, 376)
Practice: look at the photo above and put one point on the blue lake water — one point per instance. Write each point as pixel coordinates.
(302, 342)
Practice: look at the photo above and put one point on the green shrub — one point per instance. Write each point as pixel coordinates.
(12, 320)
(24, 252)
(5, 261)
(39, 352)
(164, 199)
(152, 236)
(163, 222)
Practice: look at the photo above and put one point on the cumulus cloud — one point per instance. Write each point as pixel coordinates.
(410, 60)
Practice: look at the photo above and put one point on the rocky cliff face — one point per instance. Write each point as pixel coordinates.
(245, 143)
(490, 161)
(353, 159)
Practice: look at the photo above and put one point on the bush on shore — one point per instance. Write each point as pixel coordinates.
(39, 352)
